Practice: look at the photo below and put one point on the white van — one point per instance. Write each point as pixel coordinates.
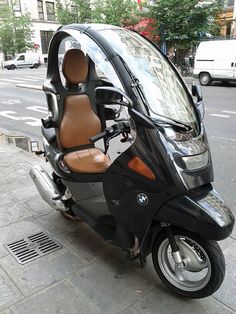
(215, 61)
(23, 60)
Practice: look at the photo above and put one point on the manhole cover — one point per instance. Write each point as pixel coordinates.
(32, 247)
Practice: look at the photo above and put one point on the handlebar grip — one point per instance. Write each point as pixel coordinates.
(97, 137)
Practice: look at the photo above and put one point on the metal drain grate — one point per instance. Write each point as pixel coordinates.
(32, 247)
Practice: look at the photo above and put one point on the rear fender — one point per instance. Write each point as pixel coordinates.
(203, 211)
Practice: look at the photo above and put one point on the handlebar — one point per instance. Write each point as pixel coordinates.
(112, 131)
(97, 137)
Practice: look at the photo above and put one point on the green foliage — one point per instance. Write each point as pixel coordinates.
(182, 22)
(116, 12)
(78, 11)
(15, 33)
(64, 14)
(84, 10)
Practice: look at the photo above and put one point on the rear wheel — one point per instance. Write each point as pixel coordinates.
(35, 66)
(205, 79)
(202, 269)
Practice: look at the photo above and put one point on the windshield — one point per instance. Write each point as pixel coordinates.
(162, 88)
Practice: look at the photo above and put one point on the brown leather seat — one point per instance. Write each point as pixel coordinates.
(79, 122)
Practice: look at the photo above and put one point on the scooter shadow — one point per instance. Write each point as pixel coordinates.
(93, 251)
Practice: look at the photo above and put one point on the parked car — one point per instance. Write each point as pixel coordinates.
(215, 61)
(23, 60)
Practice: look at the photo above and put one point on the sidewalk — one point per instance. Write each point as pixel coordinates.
(85, 275)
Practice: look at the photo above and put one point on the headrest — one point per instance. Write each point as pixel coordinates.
(74, 66)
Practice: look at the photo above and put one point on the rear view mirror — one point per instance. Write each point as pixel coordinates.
(112, 96)
(197, 92)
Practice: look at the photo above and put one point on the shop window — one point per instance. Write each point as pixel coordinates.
(45, 39)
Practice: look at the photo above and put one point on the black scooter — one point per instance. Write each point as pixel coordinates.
(153, 194)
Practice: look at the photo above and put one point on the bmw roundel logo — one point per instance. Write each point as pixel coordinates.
(142, 199)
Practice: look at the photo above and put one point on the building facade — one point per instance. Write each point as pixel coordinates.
(43, 18)
(227, 19)
(43, 21)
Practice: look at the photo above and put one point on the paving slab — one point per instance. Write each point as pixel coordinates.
(5, 198)
(37, 206)
(24, 193)
(87, 244)
(56, 223)
(109, 292)
(9, 294)
(233, 234)
(161, 301)
(6, 186)
(17, 231)
(6, 171)
(227, 243)
(227, 292)
(129, 310)
(148, 272)
(6, 312)
(12, 212)
(19, 174)
(42, 272)
(59, 298)
(231, 251)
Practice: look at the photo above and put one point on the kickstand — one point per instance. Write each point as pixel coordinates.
(129, 258)
(142, 259)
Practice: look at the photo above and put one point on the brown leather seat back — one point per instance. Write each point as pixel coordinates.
(79, 122)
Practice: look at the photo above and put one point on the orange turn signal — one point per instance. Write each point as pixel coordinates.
(136, 164)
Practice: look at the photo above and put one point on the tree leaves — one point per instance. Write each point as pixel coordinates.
(15, 33)
(181, 22)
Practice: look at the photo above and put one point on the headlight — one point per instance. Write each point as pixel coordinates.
(197, 161)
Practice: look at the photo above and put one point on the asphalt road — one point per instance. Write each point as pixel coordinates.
(22, 108)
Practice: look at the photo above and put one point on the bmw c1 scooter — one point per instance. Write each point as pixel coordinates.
(110, 86)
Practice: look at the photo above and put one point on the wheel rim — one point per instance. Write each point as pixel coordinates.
(205, 79)
(194, 273)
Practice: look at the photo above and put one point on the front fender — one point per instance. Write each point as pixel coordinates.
(202, 211)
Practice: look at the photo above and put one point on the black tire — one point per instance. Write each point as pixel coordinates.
(12, 67)
(205, 252)
(205, 79)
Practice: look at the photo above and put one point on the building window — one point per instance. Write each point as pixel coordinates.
(50, 11)
(229, 3)
(40, 9)
(228, 29)
(45, 40)
(16, 8)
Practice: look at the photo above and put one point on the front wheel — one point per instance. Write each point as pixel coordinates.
(205, 79)
(202, 269)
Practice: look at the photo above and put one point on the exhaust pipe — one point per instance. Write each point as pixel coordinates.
(47, 187)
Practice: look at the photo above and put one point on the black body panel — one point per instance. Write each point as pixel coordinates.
(122, 185)
(202, 211)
